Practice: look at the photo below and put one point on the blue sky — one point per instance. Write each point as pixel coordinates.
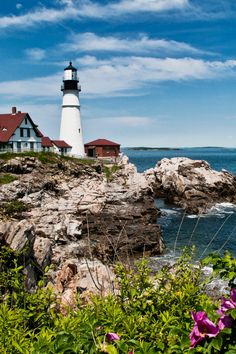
(153, 72)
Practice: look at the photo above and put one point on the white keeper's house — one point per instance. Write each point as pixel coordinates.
(19, 133)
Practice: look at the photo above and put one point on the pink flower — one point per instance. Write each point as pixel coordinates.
(112, 336)
(203, 327)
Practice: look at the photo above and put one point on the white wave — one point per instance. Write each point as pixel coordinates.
(226, 205)
(222, 209)
(170, 212)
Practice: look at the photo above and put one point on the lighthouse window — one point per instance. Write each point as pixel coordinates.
(79, 130)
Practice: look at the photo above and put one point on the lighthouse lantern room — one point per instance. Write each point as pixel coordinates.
(71, 129)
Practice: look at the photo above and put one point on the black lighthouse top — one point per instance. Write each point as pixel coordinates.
(70, 67)
(70, 80)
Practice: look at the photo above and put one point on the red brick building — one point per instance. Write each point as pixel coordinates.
(102, 148)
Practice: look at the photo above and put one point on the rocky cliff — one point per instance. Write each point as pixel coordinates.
(191, 184)
(76, 217)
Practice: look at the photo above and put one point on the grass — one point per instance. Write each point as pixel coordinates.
(7, 178)
(79, 160)
(14, 208)
(46, 157)
(110, 171)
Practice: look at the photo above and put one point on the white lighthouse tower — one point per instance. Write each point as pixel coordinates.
(71, 129)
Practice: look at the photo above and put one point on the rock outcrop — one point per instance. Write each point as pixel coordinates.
(77, 214)
(191, 184)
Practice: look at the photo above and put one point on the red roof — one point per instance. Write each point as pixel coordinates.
(61, 144)
(10, 122)
(101, 142)
(38, 132)
(46, 142)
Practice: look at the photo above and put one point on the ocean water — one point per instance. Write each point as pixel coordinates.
(213, 232)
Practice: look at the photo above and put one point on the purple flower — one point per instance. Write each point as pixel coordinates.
(233, 296)
(110, 337)
(228, 304)
(203, 327)
(225, 322)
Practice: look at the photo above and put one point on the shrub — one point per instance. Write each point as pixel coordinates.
(147, 314)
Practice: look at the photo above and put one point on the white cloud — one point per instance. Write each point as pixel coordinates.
(125, 6)
(70, 9)
(19, 6)
(37, 16)
(91, 42)
(35, 87)
(121, 76)
(35, 53)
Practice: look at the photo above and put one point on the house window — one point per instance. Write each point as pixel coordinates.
(26, 121)
(21, 132)
(28, 132)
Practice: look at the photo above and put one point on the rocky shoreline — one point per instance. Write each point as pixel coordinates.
(78, 218)
(191, 184)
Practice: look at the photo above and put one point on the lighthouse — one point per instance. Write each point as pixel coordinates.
(71, 129)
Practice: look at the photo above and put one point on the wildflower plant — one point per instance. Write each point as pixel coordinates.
(148, 314)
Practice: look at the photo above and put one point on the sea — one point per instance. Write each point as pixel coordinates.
(212, 232)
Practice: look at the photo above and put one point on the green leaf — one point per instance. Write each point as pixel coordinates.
(226, 330)
(110, 349)
(233, 313)
(217, 342)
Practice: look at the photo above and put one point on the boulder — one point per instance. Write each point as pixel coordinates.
(191, 184)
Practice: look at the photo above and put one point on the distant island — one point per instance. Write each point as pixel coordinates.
(170, 148)
(150, 148)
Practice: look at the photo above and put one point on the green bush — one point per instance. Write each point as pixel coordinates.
(148, 314)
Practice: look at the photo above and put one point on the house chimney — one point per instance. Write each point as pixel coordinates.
(13, 110)
(19, 112)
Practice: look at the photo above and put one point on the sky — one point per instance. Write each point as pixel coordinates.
(158, 73)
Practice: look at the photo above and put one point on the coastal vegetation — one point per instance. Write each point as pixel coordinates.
(110, 171)
(14, 208)
(67, 230)
(45, 157)
(7, 178)
(147, 313)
